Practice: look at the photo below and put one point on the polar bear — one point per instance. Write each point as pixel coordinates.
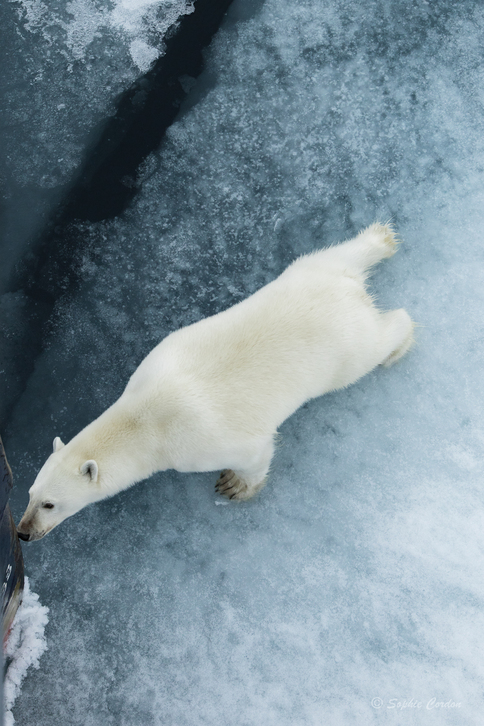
(213, 394)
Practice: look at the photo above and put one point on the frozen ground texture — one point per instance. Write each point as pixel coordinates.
(73, 58)
(356, 574)
(25, 646)
(63, 65)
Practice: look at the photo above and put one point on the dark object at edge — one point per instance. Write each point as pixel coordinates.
(12, 565)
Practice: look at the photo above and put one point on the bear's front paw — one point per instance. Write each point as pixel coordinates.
(234, 487)
(229, 484)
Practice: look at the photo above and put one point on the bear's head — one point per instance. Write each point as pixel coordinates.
(63, 486)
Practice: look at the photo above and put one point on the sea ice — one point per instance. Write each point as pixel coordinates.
(63, 66)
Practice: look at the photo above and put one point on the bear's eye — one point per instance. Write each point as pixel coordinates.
(48, 505)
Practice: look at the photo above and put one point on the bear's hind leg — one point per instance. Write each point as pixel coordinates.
(398, 336)
(373, 244)
(243, 484)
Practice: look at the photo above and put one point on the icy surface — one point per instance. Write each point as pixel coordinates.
(356, 574)
(77, 24)
(25, 645)
(69, 62)
(63, 66)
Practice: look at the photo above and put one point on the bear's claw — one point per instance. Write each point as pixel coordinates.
(231, 486)
(226, 476)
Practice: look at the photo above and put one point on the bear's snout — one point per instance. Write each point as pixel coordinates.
(28, 528)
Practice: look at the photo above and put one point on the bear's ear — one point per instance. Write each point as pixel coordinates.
(57, 444)
(90, 467)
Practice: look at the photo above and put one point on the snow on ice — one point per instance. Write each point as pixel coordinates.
(25, 645)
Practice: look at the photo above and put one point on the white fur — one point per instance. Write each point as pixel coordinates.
(212, 395)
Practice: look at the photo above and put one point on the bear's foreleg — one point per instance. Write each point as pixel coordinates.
(243, 484)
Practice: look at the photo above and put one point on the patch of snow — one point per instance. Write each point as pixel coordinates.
(81, 21)
(25, 646)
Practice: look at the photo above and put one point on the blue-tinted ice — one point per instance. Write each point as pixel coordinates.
(63, 66)
(356, 574)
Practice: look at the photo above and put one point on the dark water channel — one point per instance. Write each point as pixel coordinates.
(103, 186)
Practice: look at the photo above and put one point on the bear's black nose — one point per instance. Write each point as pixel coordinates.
(23, 536)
